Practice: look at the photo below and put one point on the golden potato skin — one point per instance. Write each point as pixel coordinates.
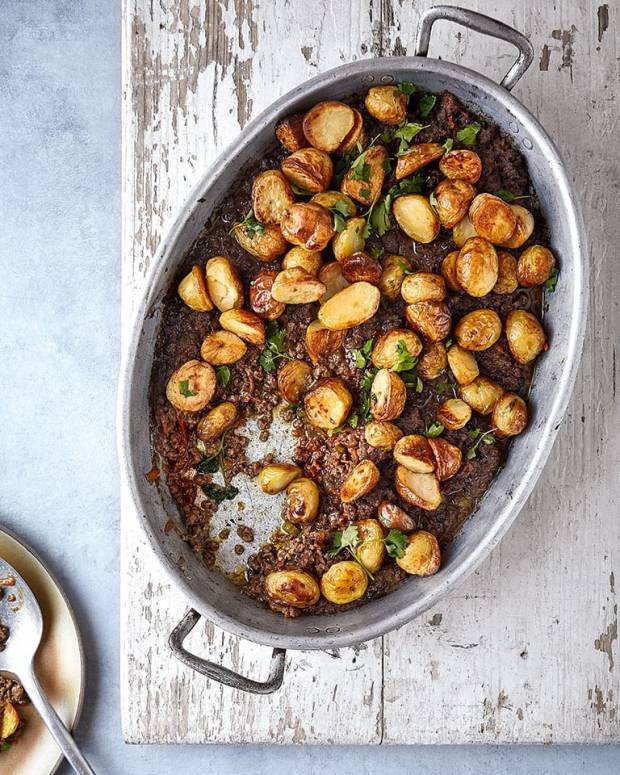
(525, 335)
(463, 364)
(367, 191)
(482, 394)
(296, 286)
(454, 414)
(223, 283)
(247, 325)
(272, 195)
(461, 165)
(193, 291)
(355, 136)
(392, 276)
(509, 415)
(418, 156)
(380, 434)
(329, 199)
(463, 231)
(524, 228)
(261, 300)
(478, 330)
(293, 380)
(327, 124)
(308, 225)
(371, 552)
(302, 503)
(221, 348)
(309, 169)
(10, 721)
(344, 582)
(328, 404)
(418, 489)
(350, 240)
(433, 361)
(477, 267)
(266, 247)
(448, 271)
(216, 421)
(448, 458)
(192, 386)
(359, 482)
(386, 104)
(385, 350)
(332, 278)
(290, 133)
(431, 319)
(506, 273)
(492, 218)
(423, 286)
(293, 588)
(535, 266)
(350, 307)
(393, 517)
(452, 200)
(276, 477)
(416, 217)
(423, 555)
(388, 395)
(360, 267)
(310, 260)
(415, 454)
(322, 341)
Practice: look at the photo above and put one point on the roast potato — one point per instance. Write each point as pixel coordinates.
(462, 364)
(308, 169)
(423, 555)
(454, 414)
(356, 136)
(292, 587)
(308, 225)
(448, 270)
(336, 199)
(261, 300)
(293, 380)
(296, 286)
(344, 582)
(309, 260)
(221, 348)
(423, 286)
(477, 267)
(526, 337)
(192, 386)
(247, 325)
(382, 435)
(509, 416)
(216, 421)
(493, 219)
(328, 404)
(332, 278)
(290, 133)
(302, 501)
(461, 165)
(385, 352)
(359, 482)
(421, 490)
(463, 231)
(272, 195)
(327, 124)
(535, 266)
(415, 454)
(224, 284)
(360, 267)
(266, 244)
(478, 330)
(322, 341)
(418, 156)
(351, 306)
(394, 270)
(276, 477)
(366, 187)
(433, 361)
(447, 458)
(350, 240)
(387, 395)
(452, 200)
(387, 104)
(10, 721)
(482, 394)
(193, 290)
(431, 319)
(416, 217)
(524, 228)
(371, 552)
(393, 517)
(506, 273)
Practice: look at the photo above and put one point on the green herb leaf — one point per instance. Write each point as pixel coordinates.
(385, 137)
(353, 420)
(407, 270)
(210, 465)
(396, 543)
(364, 395)
(365, 193)
(434, 430)
(300, 191)
(467, 135)
(266, 361)
(252, 226)
(508, 196)
(362, 356)
(406, 361)
(405, 87)
(480, 438)
(275, 339)
(553, 280)
(432, 199)
(376, 252)
(339, 222)
(219, 494)
(344, 539)
(414, 184)
(222, 375)
(184, 389)
(406, 132)
(426, 104)
(448, 145)
(360, 169)
(5, 746)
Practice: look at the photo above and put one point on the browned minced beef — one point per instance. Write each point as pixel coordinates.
(328, 459)
(10, 690)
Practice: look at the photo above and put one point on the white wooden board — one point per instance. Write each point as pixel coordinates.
(526, 650)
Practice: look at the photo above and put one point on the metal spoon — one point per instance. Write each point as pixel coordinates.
(25, 622)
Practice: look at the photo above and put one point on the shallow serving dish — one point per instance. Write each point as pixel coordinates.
(209, 592)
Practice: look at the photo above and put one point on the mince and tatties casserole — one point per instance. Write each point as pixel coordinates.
(377, 280)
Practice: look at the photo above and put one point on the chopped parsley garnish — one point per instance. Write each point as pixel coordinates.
(553, 280)
(222, 375)
(252, 226)
(376, 252)
(363, 411)
(412, 381)
(448, 145)
(360, 169)
(478, 437)
(405, 87)
(213, 463)
(300, 191)
(405, 361)
(396, 543)
(426, 104)
(365, 193)
(5, 746)
(362, 356)
(219, 494)
(434, 430)
(348, 539)
(467, 135)
(407, 270)
(184, 389)
(406, 132)
(340, 211)
(274, 346)
(508, 196)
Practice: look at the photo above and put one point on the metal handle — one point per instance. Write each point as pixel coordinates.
(57, 729)
(479, 23)
(219, 673)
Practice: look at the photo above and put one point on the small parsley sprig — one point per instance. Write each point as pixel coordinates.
(405, 87)
(222, 375)
(362, 356)
(468, 134)
(184, 389)
(406, 132)
(508, 196)
(434, 429)
(405, 366)
(553, 280)
(350, 540)
(426, 104)
(396, 543)
(275, 338)
(478, 437)
(378, 216)
(252, 226)
(340, 212)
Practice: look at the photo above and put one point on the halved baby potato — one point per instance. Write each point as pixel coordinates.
(388, 348)
(388, 395)
(192, 386)
(216, 421)
(351, 306)
(509, 416)
(448, 270)
(477, 267)
(193, 290)
(10, 721)
(293, 380)
(296, 286)
(525, 335)
(394, 271)
(276, 477)
(223, 283)
(383, 435)
(431, 319)
(492, 218)
(447, 458)
(423, 286)
(415, 454)
(247, 325)
(371, 551)
(452, 200)
(360, 267)
(272, 195)
(344, 582)
(332, 278)
(506, 273)
(463, 364)
(387, 104)
(422, 556)
(327, 124)
(416, 217)
(336, 199)
(478, 330)
(461, 165)
(261, 300)
(535, 266)
(463, 231)
(308, 169)
(393, 517)
(418, 489)
(294, 588)
(265, 245)
(524, 228)
(322, 341)
(356, 136)
(328, 404)
(482, 394)
(308, 225)
(416, 157)
(367, 190)
(454, 414)
(360, 481)
(350, 240)
(290, 133)
(302, 501)
(433, 361)
(221, 348)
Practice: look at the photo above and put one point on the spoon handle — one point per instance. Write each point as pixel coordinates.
(57, 729)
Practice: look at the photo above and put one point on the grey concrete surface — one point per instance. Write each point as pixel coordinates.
(59, 333)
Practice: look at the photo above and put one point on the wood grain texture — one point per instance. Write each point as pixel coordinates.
(526, 650)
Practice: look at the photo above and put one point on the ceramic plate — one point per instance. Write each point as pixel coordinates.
(59, 664)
